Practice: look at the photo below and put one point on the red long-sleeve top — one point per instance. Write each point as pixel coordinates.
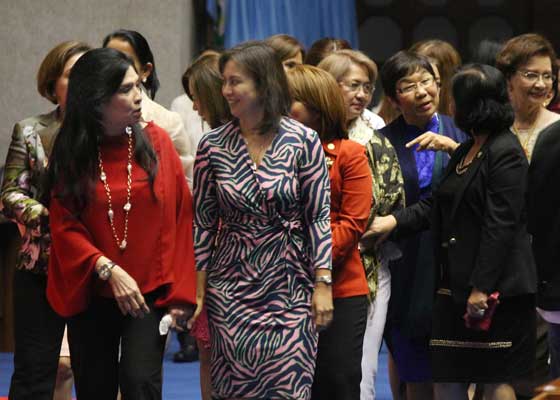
(160, 246)
(351, 200)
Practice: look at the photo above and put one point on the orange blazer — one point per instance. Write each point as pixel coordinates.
(351, 201)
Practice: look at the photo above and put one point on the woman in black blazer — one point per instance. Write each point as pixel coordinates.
(478, 220)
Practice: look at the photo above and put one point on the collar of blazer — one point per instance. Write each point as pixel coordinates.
(331, 150)
(332, 147)
(471, 172)
(49, 127)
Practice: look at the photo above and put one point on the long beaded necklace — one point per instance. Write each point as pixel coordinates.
(128, 205)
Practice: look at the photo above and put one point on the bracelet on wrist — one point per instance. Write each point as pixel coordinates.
(104, 272)
(326, 279)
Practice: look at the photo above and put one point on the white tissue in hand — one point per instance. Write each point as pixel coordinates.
(164, 324)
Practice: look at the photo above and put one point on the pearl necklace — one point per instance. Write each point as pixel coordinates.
(127, 206)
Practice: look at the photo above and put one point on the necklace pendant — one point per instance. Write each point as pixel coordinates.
(127, 206)
(103, 177)
(110, 214)
(123, 244)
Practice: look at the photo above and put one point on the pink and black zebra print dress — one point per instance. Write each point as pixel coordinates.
(260, 233)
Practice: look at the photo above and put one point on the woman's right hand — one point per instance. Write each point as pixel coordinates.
(200, 297)
(322, 307)
(197, 311)
(435, 142)
(127, 294)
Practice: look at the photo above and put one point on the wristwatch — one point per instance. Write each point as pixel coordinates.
(326, 279)
(104, 272)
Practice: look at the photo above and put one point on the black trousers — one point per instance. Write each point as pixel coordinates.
(94, 337)
(339, 357)
(38, 332)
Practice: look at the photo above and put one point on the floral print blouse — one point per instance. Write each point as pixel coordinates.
(24, 176)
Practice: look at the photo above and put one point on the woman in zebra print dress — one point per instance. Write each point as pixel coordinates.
(262, 235)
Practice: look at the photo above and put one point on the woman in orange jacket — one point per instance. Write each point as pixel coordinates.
(318, 103)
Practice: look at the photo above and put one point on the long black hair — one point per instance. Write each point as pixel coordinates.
(143, 52)
(94, 79)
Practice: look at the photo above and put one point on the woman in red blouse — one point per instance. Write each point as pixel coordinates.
(318, 103)
(121, 222)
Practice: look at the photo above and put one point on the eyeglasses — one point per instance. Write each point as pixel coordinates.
(533, 77)
(414, 87)
(354, 87)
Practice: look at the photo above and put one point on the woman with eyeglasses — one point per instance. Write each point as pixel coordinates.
(477, 218)
(447, 61)
(530, 66)
(356, 74)
(409, 83)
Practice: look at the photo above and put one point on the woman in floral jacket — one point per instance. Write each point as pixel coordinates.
(38, 329)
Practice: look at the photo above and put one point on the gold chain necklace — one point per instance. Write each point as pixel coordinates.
(462, 166)
(128, 205)
(261, 148)
(530, 132)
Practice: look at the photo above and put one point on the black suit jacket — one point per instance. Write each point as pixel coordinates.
(544, 214)
(489, 247)
(413, 276)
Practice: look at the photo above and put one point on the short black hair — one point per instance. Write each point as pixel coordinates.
(260, 62)
(481, 100)
(398, 66)
(143, 52)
